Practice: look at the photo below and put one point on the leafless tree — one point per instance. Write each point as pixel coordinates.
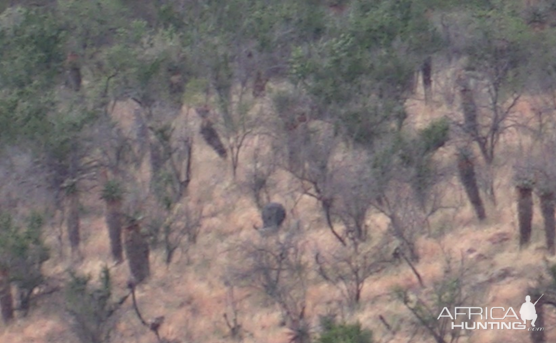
(453, 290)
(309, 158)
(182, 223)
(466, 171)
(231, 316)
(355, 190)
(349, 267)
(407, 219)
(176, 151)
(275, 267)
(153, 325)
(486, 118)
(258, 177)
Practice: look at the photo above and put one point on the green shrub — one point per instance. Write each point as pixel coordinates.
(435, 135)
(343, 333)
(112, 191)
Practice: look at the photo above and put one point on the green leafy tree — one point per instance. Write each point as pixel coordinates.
(22, 253)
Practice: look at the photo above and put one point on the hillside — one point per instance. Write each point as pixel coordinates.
(148, 150)
(191, 293)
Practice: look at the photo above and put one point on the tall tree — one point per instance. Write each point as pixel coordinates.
(112, 194)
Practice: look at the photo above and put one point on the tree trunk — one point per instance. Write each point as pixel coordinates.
(469, 112)
(547, 209)
(426, 70)
(6, 297)
(113, 221)
(259, 85)
(524, 213)
(211, 137)
(468, 179)
(73, 223)
(137, 253)
(74, 79)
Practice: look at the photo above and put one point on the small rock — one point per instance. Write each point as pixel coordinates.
(499, 237)
(480, 257)
(502, 274)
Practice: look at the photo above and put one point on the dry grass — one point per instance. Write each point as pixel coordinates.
(191, 293)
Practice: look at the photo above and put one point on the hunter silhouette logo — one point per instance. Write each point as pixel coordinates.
(528, 311)
(494, 318)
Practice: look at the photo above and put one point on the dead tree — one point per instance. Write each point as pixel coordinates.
(308, 159)
(137, 252)
(183, 222)
(468, 178)
(278, 270)
(355, 191)
(349, 267)
(153, 325)
(485, 129)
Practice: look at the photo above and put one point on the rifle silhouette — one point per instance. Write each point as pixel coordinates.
(538, 300)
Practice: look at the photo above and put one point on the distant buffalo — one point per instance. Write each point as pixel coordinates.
(273, 215)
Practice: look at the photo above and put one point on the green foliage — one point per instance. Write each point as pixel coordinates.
(22, 245)
(343, 333)
(499, 46)
(91, 308)
(112, 191)
(91, 24)
(22, 252)
(31, 50)
(435, 135)
(195, 91)
(360, 70)
(163, 189)
(31, 58)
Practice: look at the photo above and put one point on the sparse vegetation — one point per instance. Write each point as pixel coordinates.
(92, 310)
(354, 118)
(346, 333)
